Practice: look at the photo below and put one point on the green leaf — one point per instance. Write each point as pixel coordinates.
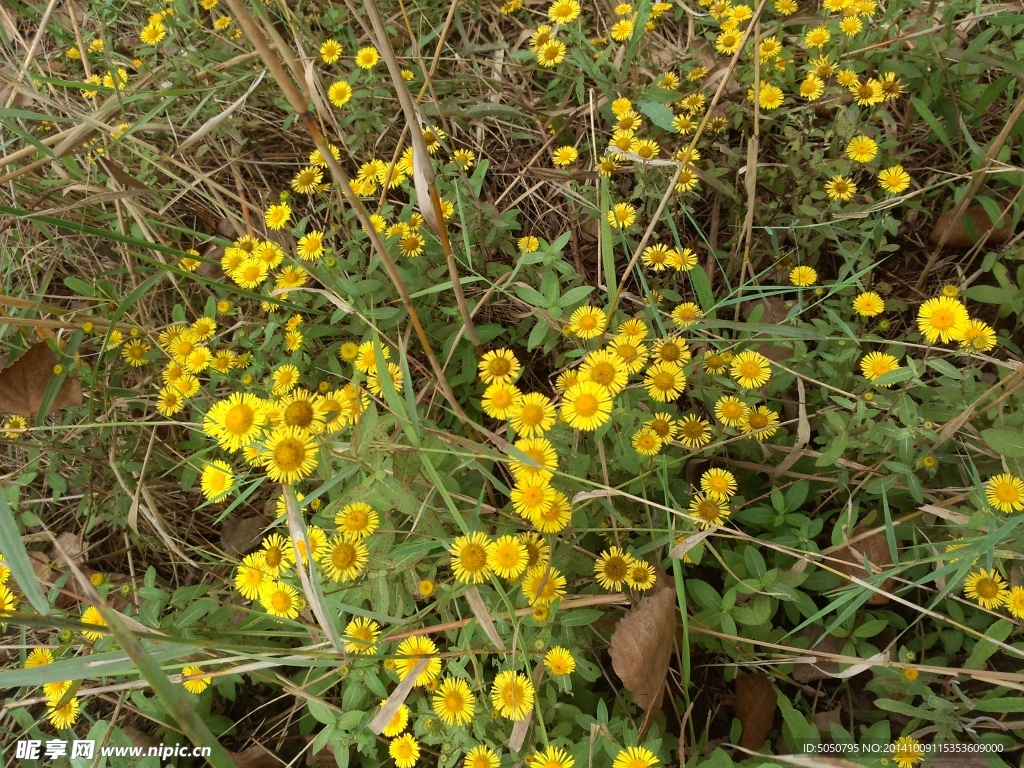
(703, 593)
(1005, 704)
(983, 649)
(835, 449)
(14, 553)
(659, 114)
(1006, 442)
(932, 121)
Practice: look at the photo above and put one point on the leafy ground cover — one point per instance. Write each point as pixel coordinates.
(544, 384)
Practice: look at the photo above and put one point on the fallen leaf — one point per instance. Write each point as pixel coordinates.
(756, 705)
(239, 535)
(876, 548)
(255, 756)
(823, 668)
(823, 720)
(980, 223)
(642, 645)
(23, 383)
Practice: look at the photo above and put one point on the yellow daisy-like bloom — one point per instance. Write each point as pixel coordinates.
(553, 516)
(606, 368)
(587, 406)
(426, 588)
(311, 245)
(278, 216)
(277, 554)
(534, 415)
(1014, 603)
(134, 352)
(869, 304)
(250, 273)
(252, 576)
(367, 58)
(942, 318)
(1005, 492)
(552, 757)
(284, 378)
(316, 536)
(769, 96)
(169, 403)
(621, 216)
(92, 616)
(537, 549)
(507, 557)
(907, 751)
(398, 722)
(55, 691)
(499, 365)
(38, 657)
(217, 479)
(64, 716)
(750, 369)
(728, 42)
(565, 156)
(664, 381)
(411, 244)
(481, 756)
(330, 51)
(344, 558)
(567, 380)
(405, 750)
(300, 408)
(817, 37)
(868, 93)
(198, 683)
(646, 442)
(708, 511)
(357, 520)
(682, 261)
(635, 757)
(531, 495)
(862, 149)
(812, 87)
(289, 455)
(686, 314)
(563, 11)
(469, 558)
(512, 695)
(151, 34)
(978, 336)
(366, 356)
(719, 484)
(587, 322)
(410, 651)
(655, 256)
(340, 93)
(622, 30)
(670, 349)
(528, 244)
(453, 702)
(630, 353)
(875, 364)
(280, 600)
(694, 432)
(611, 568)
(641, 576)
(551, 53)
(544, 460)
(646, 149)
(621, 106)
(361, 638)
(542, 585)
(501, 399)
(664, 426)
(760, 423)
(801, 277)
(394, 373)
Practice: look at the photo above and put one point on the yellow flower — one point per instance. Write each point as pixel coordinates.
(367, 57)
(551, 53)
(565, 156)
(499, 365)
(152, 34)
(280, 600)
(252, 576)
(553, 515)
(587, 322)
(761, 422)
(646, 442)
(906, 751)
(501, 399)
(344, 558)
(942, 319)
(398, 722)
(979, 336)
(38, 657)
(621, 216)
(330, 51)
(453, 702)
(812, 87)
(564, 11)
(64, 716)
(694, 432)
(719, 484)
(481, 756)
(1014, 604)
(1005, 492)
(552, 757)
(362, 634)
(217, 479)
(405, 749)
(235, 422)
(542, 585)
(862, 149)
(92, 616)
(750, 369)
(277, 216)
(664, 381)
(801, 277)
(869, 304)
(543, 460)
(198, 683)
(611, 568)
(635, 757)
(708, 511)
(289, 455)
(894, 180)
(339, 93)
(534, 415)
(587, 406)
(410, 652)
(817, 37)
(512, 695)
(875, 364)
(469, 558)
(278, 555)
(508, 558)
(686, 314)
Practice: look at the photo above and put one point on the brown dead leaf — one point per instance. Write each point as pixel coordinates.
(642, 645)
(823, 668)
(980, 223)
(255, 756)
(876, 548)
(239, 535)
(775, 312)
(756, 705)
(23, 383)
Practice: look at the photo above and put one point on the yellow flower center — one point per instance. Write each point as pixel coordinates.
(670, 352)
(615, 568)
(289, 454)
(586, 405)
(473, 558)
(708, 510)
(239, 419)
(758, 421)
(299, 414)
(273, 557)
(499, 366)
(664, 382)
(1007, 492)
(986, 588)
(344, 556)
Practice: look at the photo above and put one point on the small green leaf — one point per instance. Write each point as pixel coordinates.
(1006, 442)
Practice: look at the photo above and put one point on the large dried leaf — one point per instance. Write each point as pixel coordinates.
(641, 647)
(22, 384)
(980, 223)
(756, 705)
